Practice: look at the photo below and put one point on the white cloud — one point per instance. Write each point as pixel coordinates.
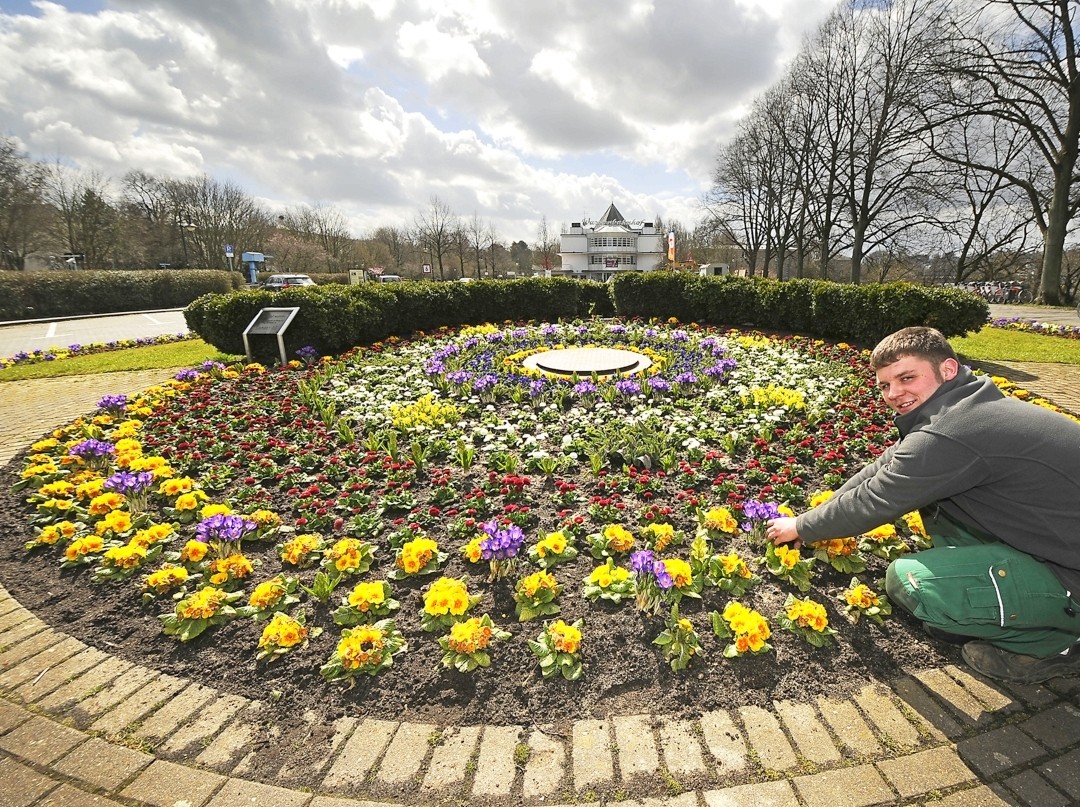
(509, 109)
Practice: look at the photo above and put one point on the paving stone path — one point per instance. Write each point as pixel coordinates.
(79, 727)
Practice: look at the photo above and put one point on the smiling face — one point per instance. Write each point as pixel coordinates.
(908, 382)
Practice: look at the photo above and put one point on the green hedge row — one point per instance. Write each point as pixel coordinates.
(861, 314)
(33, 295)
(334, 318)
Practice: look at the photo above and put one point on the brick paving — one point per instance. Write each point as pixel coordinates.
(78, 727)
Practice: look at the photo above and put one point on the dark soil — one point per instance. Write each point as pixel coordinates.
(623, 672)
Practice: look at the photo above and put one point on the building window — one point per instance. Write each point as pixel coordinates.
(601, 241)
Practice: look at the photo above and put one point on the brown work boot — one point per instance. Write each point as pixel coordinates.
(993, 662)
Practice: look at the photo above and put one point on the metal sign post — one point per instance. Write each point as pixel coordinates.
(270, 322)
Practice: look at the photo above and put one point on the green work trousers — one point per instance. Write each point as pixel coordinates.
(977, 586)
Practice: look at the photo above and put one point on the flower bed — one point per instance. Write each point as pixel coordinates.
(427, 527)
(1034, 326)
(24, 357)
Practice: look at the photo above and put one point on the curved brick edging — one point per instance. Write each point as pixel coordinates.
(942, 735)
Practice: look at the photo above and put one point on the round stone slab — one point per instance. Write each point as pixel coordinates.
(584, 361)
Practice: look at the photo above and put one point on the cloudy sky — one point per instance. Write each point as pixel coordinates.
(511, 110)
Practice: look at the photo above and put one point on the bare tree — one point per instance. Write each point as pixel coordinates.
(736, 205)
(398, 246)
(326, 228)
(22, 206)
(85, 220)
(546, 247)
(434, 229)
(1023, 55)
(212, 214)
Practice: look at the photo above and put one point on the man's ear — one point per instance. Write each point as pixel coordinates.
(949, 369)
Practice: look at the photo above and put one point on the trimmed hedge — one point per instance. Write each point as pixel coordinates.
(334, 318)
(32, 295)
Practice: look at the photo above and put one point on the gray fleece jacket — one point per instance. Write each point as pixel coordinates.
(996, 463)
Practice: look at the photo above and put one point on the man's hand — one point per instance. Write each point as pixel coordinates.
(782, 531)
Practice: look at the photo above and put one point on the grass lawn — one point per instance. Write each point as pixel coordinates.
(178, 354)
(998, 344)
(990, 344)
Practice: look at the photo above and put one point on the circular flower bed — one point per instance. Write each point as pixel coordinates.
(430, 527)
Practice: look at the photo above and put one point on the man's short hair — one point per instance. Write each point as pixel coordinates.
(919, 341)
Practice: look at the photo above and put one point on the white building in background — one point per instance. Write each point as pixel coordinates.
(604, 248)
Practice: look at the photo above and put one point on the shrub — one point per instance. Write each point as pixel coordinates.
(30, 295)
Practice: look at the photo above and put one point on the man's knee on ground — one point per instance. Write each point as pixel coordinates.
(900, 586)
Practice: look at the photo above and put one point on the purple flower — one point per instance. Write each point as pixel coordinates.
(663, 579)
(223, 528)
(459, 377)
(501, 544)
(658, 384)
(307, 354)
(186, 375)
(485, 382)
(113, 402)
(89, 449)
(129, 483)
(536, 387)
(584, 387)
(759, 512)
(686, 378)
(627, 387)
(641, 562)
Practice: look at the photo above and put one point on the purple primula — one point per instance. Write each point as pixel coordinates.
(459, 377)
(757, 513)
(536, 387)
(128, 483)
(223, 528)
(641, 562)
(657, 384)
(186, 375)
(686, 378)
(485, 382)
(91, 448)
(501, 544)
(627, 387)
(584, 388)
(113, 402)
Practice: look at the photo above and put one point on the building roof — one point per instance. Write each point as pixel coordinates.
(611, 215)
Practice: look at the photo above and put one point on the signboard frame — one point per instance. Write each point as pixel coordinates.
(270, 322)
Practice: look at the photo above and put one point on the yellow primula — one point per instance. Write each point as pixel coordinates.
(447, 595)
(564, 638)
(808, 614)
(788, 557)
(128, 556)
(60, 487)
(554, 543)
(265, 518)
(190, 501)
(214, 509)
(118, 521)
(618, 538)
(416, 554)
(267, 594)
(193, 551)
(734, 566)
(363, 646)
(89, 545)
(720, 519)
(282, 631)
(471, 551)
(679, 569)
(532, 584)
(346, 554)
(236, 567)
(90, 489)
(176, 486)
(821, 497)
(862, 596)
(203, 604)
(297, 550)
(469, 636)
(166, 579)
(883, 533)
(659, 535)
(106, 502)
(366, 596)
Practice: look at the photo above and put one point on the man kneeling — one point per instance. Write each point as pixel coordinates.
(997, 481)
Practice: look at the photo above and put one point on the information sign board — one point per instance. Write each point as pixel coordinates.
(270, 322)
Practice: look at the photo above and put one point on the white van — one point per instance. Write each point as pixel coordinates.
(388, 278)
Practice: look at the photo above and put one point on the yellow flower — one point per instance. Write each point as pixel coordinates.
(787, 557)
(882, 533)
(618, 538)
(662, 535)
(471, 550)
(564, 638)
(680, 572)
(821, 497)
(296, 550)
(861, 597)
(176, 486)
(915, 523)
(469, 636)
(105, 503)
(720, 520)
(164, 580)
(416, 554)
(554, 543)
(44, 445)
(203, 604)
(193, 551)
(90, 489)
(361, 648)
(346, 553)
(282, 631)
(128, 556)
(60, 487)
(215, 510)
(118, 521)
(808, 614)
(838, 547)
(267, 594)
(534, 582)
(734, 565)
(235, 566)
(265, 518)
(89, 545)
(365, 596)
(447, 595)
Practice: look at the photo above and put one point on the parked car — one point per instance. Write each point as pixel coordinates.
(388, 278)
(279, 282)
